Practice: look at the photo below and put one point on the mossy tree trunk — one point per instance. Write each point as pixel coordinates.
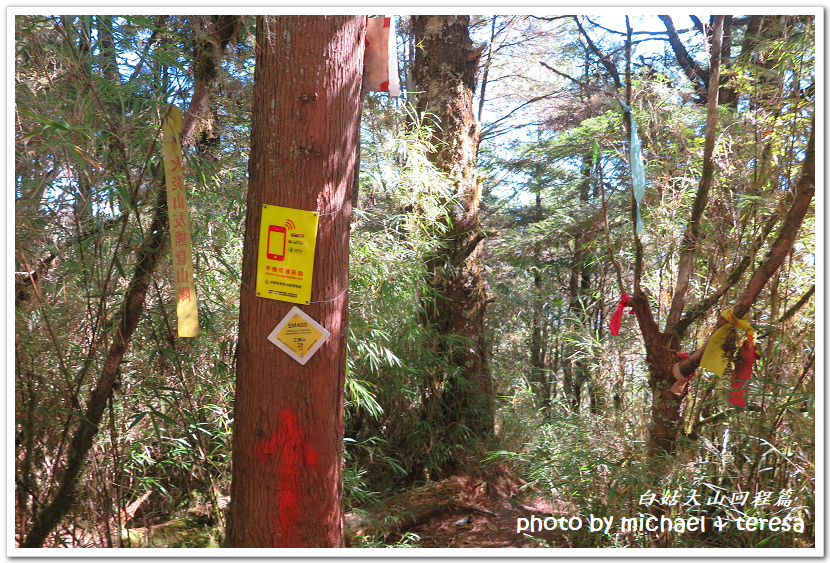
(444, 72)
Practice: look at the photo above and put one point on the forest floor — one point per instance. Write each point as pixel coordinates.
(460, 511)
(467, 512)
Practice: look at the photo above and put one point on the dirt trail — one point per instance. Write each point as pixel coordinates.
(466, 512)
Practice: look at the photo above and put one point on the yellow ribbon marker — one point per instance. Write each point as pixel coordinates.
(185, 288)
(714, 359)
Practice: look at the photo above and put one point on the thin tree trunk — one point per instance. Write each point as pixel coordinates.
(702, 198)
(134, 302)
(482, 97)
(133, 308)
(538, 326)
(538, 374)
(288, 417)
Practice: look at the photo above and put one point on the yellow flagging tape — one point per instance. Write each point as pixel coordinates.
(714, 358)
(186, 309)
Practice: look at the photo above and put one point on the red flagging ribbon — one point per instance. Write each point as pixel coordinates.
(743, 371)
(616, 318)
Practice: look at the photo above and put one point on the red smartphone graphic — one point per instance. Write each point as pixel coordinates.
(276, 243)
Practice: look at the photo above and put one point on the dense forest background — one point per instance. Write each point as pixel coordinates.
(559, 409)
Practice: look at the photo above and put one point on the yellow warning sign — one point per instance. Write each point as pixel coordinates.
(298, 335)
(287, 238)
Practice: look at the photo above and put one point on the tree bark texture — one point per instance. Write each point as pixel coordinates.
(444, 71)
(288, 418)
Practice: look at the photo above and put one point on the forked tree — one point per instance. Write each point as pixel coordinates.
(669, 368)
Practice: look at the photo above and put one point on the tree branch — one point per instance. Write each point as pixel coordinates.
(482, 97)
(150, 42)
(698, 25)
(798, 305)
(805, 190)
(697, 75)
(595, 24)
(701, 308)
(605, 60)
(492, 125)
(689, 244)
(576, 81)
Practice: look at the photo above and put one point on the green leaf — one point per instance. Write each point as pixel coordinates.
(119, 267)
(124, 194)
(48, 122)
(230, 268)
(164, 417)
(595, 155)
(137, 417)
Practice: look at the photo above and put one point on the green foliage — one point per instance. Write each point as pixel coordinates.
(580, 462)
(408, 540)
(179, 532)
(87, 152)
(574, 403)
(395, 360)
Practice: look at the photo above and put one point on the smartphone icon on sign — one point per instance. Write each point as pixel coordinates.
(276, 242)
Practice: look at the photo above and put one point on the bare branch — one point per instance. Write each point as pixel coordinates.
(491, 126)
(697, 75)
(605, 60)
(689, 244)
(798, 305)
(592, 22)
(698, 24)
(579, 83)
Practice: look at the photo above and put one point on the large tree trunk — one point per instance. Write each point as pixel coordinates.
(444, 71)
(288, 418)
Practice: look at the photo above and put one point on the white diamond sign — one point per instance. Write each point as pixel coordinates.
(298, 335)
